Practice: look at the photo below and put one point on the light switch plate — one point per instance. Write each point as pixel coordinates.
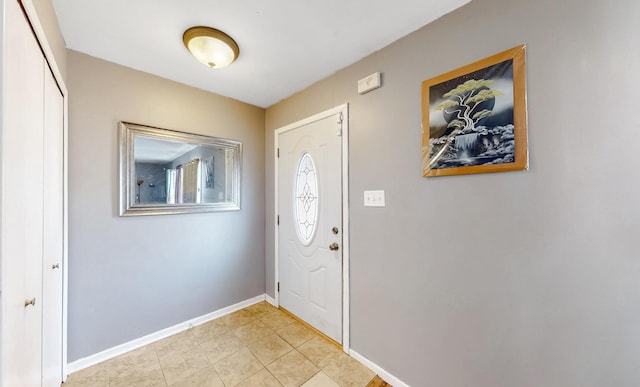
(369, 83)
(374, 198)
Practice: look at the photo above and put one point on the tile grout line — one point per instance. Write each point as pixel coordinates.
(245, 345)
(293, 348)
(265, 366)
(316, 334)
(312, 328)
(164, 377)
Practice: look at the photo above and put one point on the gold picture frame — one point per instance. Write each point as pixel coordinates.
(474, 119)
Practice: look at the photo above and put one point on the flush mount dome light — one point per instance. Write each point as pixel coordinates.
(211, 47)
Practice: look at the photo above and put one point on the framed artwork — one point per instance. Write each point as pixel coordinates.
(474, 119)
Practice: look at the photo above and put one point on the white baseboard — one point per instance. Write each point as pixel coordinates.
(394, 381)
(153, 337)
(270, 299)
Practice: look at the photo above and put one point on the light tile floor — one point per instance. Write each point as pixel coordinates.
(256, 346)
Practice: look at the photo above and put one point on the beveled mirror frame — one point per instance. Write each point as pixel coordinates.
(128, 205)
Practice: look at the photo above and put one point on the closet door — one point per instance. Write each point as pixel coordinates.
(53, 225)
(22, 202)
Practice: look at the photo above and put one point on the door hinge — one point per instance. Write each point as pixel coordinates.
(278, 152)
(339, 122)
(278, 287)
(278, 220)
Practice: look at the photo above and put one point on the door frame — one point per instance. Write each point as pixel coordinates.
(343, 112)
(39, 32)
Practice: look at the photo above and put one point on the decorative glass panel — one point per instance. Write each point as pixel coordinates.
(306, 199)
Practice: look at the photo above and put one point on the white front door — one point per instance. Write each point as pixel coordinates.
(310, 230)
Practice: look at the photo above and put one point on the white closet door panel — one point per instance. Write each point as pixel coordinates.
(22, 202)
(52, 238)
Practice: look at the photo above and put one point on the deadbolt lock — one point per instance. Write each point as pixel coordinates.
(335, 230)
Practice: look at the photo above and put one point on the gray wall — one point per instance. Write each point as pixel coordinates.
(132, 276)
(506, 279)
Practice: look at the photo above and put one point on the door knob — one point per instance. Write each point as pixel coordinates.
(31, 302)
(334, 247)
(56, 266)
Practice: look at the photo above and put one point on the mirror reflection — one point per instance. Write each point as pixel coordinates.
(175, 172)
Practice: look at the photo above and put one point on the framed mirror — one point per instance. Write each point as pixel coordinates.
(168, 172)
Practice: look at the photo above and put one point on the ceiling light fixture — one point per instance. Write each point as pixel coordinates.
(211, 47)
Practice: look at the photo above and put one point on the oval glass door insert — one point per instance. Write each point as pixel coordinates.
(306, 199)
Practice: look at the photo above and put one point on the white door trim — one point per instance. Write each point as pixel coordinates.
(39, 32)
(344, 111)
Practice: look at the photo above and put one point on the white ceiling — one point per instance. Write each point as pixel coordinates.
(285, 45)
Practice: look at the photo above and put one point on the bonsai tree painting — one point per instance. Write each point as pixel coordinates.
(472, 119)
(469, 103)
